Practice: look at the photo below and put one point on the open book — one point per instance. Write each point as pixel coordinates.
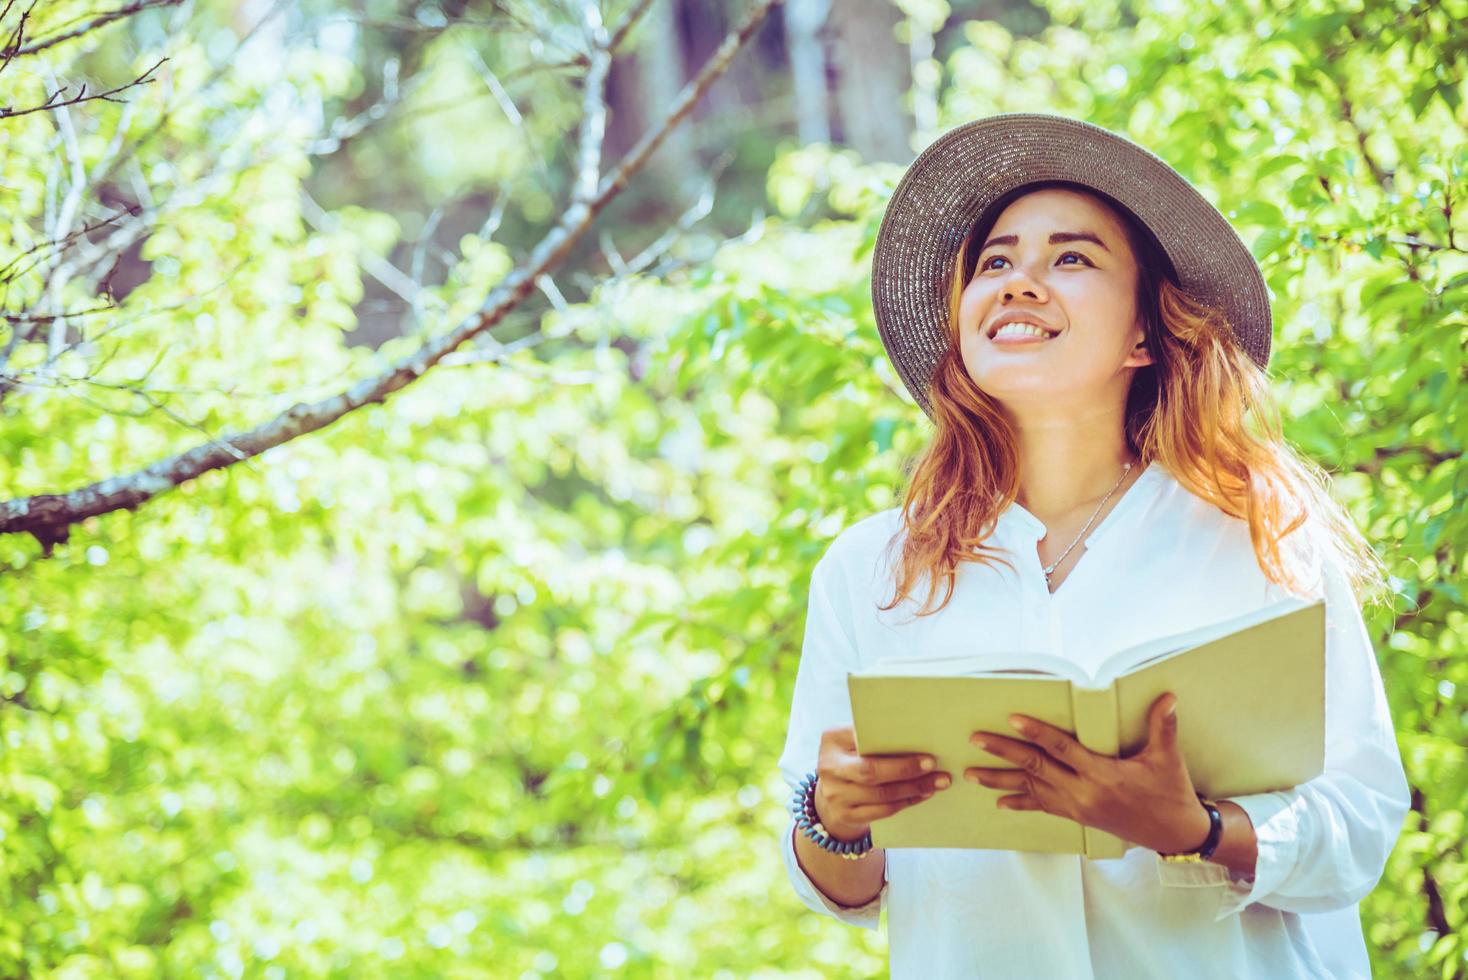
(1251, 719)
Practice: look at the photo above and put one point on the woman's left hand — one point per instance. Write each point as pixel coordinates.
(1146, 798)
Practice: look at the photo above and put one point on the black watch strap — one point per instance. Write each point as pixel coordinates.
(1215, 832)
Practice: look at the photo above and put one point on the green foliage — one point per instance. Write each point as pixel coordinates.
(490, 679)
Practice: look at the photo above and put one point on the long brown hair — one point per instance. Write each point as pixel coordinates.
(1191, 409)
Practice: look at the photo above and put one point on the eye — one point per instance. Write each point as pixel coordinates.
(985, 267)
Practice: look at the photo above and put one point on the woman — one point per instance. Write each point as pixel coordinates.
(1090, 338)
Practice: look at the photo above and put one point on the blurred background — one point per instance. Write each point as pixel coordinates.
(418, 421)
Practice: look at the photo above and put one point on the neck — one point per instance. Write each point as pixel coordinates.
(1065, 470)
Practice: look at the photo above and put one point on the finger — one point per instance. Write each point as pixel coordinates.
(1059, 744)
(858, 793)
(1162, 724)
(1025, 802)
(1000, 778)
(870, 770)
(1026, 756)
(867, 812)
(843, 737)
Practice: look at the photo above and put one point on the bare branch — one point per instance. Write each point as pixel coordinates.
(17, 36)
(425, 241)
(512, 113)
(580, 60)
(43, 376)
(593, 108)
(49, 517)
(15, 50)
(79, 256)
(697, 212)
(389, 275)
(410, 26)
(11, 318)
(8, 113)
(495, 352)
(8, 272)
(147, 395)
(166, 116)
(393, 96)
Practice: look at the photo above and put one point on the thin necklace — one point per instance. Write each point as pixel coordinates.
(1125, 470)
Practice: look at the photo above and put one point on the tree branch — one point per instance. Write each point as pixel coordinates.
(49, 517)
(51, 101)
(17, 49)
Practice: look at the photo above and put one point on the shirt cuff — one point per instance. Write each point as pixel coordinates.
(866, 916)
(1276, 819)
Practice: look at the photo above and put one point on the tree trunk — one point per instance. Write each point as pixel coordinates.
(872, 81)
(652, 79)
(803, 20)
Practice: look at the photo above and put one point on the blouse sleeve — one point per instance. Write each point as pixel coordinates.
(1323, 845)
(820, 702)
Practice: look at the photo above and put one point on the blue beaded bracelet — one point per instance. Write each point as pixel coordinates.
(803, 807)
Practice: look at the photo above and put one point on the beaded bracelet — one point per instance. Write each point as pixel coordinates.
(803, 807)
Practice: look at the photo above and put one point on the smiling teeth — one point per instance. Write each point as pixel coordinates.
(1020, 329)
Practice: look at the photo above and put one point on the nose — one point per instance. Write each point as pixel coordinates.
(1021, 285)
(1009, 293)
(1020, 282)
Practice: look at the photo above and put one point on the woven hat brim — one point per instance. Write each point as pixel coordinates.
(952, 183)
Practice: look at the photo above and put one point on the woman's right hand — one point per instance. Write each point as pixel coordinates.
(853, 790)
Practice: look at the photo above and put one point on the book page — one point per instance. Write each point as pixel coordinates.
(977, 665)
(1250, 705)
(1152, 651)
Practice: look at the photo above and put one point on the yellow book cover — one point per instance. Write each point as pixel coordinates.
(1252, 687)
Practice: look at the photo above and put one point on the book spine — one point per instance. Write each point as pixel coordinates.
(1098, 728)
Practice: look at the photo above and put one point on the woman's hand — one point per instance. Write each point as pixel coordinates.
(853, 790)
(1146, 798)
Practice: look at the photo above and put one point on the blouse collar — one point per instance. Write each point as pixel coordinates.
(1029, 528)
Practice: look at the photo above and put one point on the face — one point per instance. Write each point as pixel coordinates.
(1082, 290)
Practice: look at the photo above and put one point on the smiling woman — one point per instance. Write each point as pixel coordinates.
(1106, 467)
(1133, 367)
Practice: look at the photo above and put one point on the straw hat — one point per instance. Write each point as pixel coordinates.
(954, 182)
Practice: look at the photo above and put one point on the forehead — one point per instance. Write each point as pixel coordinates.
(1064, 209)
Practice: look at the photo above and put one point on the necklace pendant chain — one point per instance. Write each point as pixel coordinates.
(1053, 565)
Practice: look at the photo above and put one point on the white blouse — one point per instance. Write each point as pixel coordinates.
(1162, 561)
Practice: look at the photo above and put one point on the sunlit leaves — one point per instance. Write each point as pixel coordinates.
(496, 673)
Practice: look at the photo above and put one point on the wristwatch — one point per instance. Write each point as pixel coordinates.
(1210, 843)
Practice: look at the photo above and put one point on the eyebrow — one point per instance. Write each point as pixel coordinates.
(1056, 237)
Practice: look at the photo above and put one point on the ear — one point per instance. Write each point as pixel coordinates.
(1140, 356)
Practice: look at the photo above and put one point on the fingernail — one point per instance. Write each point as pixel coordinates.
(926, 764)
(980, 741)
(942, 782)
(971, 777)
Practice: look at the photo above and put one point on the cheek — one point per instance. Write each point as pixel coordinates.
(971, 305)
(1100, 296)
